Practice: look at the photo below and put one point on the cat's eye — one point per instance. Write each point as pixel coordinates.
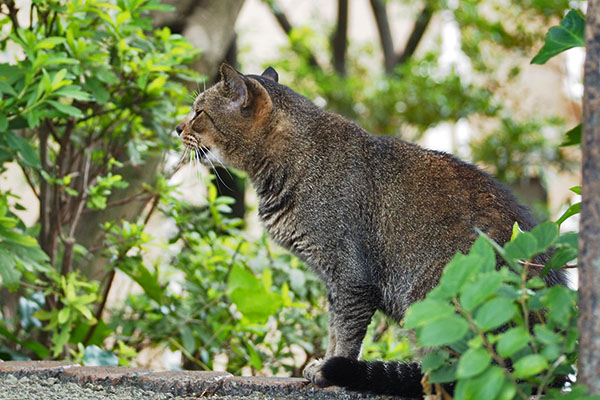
(197, 114)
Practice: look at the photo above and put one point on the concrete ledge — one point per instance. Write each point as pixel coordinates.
(197, 384)
(43, 369)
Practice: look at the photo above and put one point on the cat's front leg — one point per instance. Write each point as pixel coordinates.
(350, 312)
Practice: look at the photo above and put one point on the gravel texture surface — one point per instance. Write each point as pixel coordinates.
(36, 388)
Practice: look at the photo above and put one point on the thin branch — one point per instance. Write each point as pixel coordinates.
(385, 35)
(100, 309)
(416, 35)
(12, 13)
(29, 181)
(340, 40)
(530, 264)
(287, 27)
(139, 196)
(70, 240)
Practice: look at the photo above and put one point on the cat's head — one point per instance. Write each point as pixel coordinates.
(230, 120)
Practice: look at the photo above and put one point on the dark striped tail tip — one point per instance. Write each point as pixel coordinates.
(377, 377)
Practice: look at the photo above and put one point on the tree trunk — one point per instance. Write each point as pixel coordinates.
(589, 239)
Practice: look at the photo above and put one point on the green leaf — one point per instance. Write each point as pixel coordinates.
(49, 43)
(250, 295)
(25, 150)
(434, 360)
(572, 210)
(483, 249)
(476, 292)
(157, 84)
(570, 33)
(573, 137)
(443, 331)
(458, 271)
(38, 348)
(516, 229)
(73, 92)
(545, 234)
(559, 258)
(97, 89)
(66, 109)
(494, 313)
(134, 268)
(512, 341)
(473, 362)
(507, 392)
(187, 339)
(63, 315)
(447, 373)
(569, 239)
(255, 360)
(560, 303)
(8, 270)
(427, 311)
(484, 386)
(17, 238)
(530, 365)
(94, 356)
(3, 123)
(522, 248)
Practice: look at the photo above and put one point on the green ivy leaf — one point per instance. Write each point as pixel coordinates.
(494, 313)
(473, 362)
(570, 33)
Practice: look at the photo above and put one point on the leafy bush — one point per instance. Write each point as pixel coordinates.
(500, 334)
(87, 98)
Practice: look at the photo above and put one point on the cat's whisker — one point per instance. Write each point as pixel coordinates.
(204, 151)
(220, 164)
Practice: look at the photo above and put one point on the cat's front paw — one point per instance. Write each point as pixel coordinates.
(312, 372)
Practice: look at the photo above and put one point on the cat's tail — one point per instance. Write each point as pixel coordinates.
(377, 377)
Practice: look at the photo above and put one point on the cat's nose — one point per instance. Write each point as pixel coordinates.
(178, 129)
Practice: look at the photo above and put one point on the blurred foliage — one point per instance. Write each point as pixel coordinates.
(496, 38)
(88, 91)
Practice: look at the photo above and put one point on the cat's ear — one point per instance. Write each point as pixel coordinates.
(235, 84)
(271, 74)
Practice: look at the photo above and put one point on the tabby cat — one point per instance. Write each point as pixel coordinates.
(376, 218)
